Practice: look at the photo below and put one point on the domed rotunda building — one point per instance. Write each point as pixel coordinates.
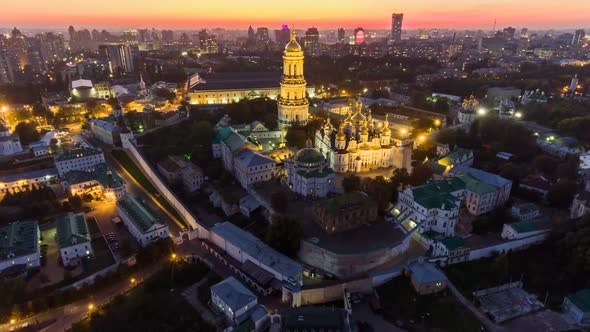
(309, 173)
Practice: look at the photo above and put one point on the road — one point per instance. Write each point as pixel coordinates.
(69, 314)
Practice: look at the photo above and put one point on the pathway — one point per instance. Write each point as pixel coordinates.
(191, 296)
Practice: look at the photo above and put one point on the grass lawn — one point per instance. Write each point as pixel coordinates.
(138, 175)
(440, 311)
(151, 306)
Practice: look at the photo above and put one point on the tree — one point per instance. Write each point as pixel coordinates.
(285, 235)
(442, 105)
(562, 193)
(279, 200)
(27, 132)
(296, 136)
(351, 183)
(545, 164)
(420, 174)
(75, 202)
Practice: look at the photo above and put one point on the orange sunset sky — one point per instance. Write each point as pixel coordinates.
(370, 14)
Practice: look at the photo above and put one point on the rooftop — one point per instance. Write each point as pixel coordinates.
(437, 194)
(474, 185)
(426, 273)
(77, 153)
(489, 178)
(251, 245)
(72, 229)
(48, 172)
(19, 239)
(101, 173)
(233, 293)
(250, 158)
(581, 299)
(238, 81)
(314, 317)
(454, 242)
(140, 214)
(348, 200)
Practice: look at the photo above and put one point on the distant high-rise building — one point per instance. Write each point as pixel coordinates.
(283, 35)
(311, 41)
(167, 36)
(52, 48)
(509, 32)
(396, 27)
(341, 35)
(119, 57)
(578, 36)
(262, 35)
(251, 33)
(524, 33)
(359, 36)
(207, 42)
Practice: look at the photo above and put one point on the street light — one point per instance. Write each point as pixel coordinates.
(173, 257)
(12, 321)
(437, 122)
(518, 115)
(90, 306)
(481, 111)
(133, 280)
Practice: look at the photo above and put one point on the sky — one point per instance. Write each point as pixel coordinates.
(370, 14)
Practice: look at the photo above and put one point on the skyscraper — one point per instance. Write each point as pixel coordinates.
(119, 57)
(341, 35)
(578, 36)
(311, 41)
(396, 27)
(293, 105)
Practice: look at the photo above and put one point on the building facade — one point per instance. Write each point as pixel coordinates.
(360, 146)
(73, 238)
(9, 144)
(79, 159)
(293, 105)
(145, 226)
(19, 245)
(98, 181)
(309, 173)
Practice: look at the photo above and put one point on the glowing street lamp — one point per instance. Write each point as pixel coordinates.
(12, 321)
(518, 115)
(90, 306)
(482, 111)
(404, 131)
(421, 138)
(437, 122)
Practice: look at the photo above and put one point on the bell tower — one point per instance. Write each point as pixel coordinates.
(293, 105)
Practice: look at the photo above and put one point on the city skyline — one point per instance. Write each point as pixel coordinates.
(376, 14)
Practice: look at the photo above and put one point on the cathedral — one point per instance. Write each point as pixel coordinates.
(293, 104)
(358, 145)
(9, 144)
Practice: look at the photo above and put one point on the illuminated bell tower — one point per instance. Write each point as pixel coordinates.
(293, 105)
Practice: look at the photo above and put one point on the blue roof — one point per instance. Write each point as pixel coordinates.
(233, 293)
(426, 273)
(251, 158)
(257, 249)
(489, 178)
(51, 172)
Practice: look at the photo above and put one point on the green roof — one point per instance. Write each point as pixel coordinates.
(317, 173)
(351, 199)
(222, 134)
(101, 173)
(454, 242)
(581, 299)
(437, 193)
(72, 229)
(19, 239)
(308, 156)
(140, 214)
(474, 185)
(523, 227)
(77, 153)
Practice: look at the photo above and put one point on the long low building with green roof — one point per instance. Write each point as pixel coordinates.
(141, 220)
(99, 180)
(73, 238)
(19, 245)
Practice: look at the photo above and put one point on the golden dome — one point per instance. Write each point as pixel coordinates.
(293, 45)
